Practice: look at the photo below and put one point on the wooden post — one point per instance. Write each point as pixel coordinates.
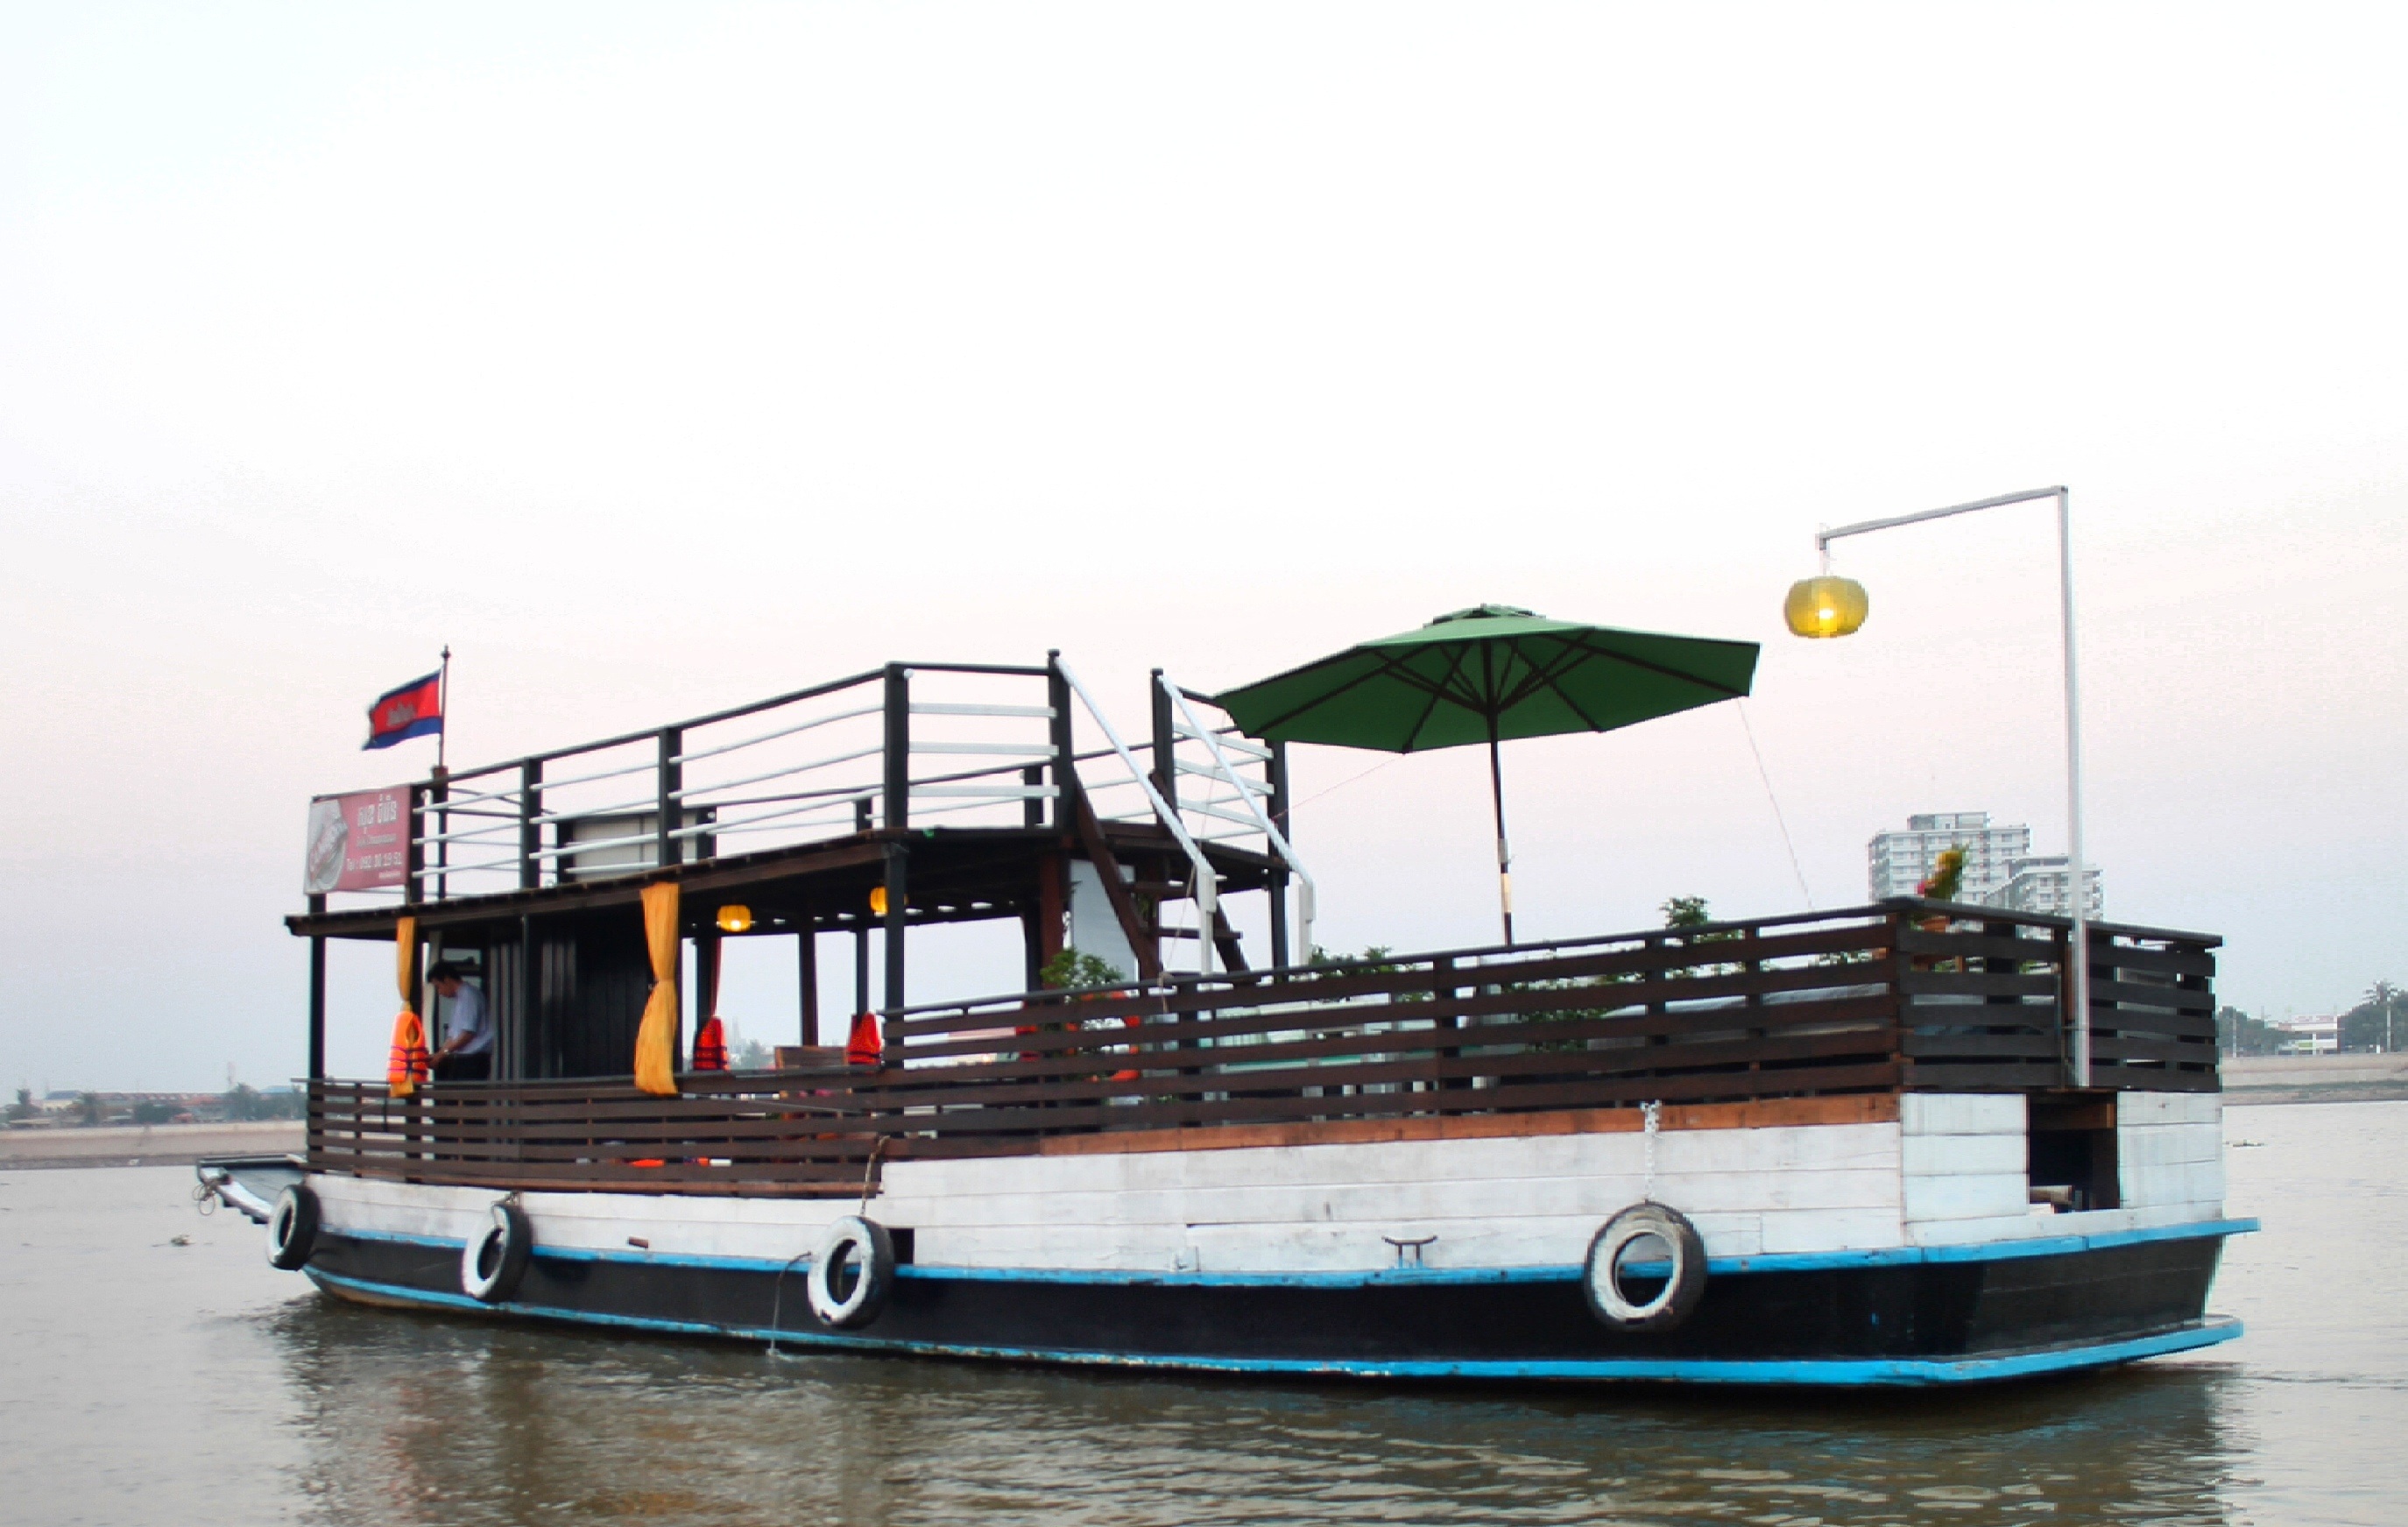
(317, 995)
(1065, 773)
(523, 1022)
(1166, 743)
(898, 892)
(2063, 939)
(416, 853)
(898, 748)
(1281, 954)
(665, 844)
(860, 929)
(861, 968)
(1052, 907)
(530, 830)
(439, 792)
(807, 972)
(1440, 971)
(1032, 811)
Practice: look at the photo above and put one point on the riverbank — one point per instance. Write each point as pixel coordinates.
(153, 1144)
(2315, 1078)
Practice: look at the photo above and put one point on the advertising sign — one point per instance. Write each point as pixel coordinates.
(358, 842)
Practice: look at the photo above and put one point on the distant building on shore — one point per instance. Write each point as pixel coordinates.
(2044, 883)
(1901, 862)
(2310, 1036)
(2000, 869)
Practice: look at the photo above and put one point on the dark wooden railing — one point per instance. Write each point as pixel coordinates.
(1901, 996)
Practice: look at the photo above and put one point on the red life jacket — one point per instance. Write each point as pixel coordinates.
(867, 1045)
(711, 1048)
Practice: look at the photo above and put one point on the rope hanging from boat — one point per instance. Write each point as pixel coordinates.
(656, 1039)
(1779, 819)
(407, 1065)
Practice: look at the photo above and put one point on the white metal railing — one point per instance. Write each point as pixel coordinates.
(1251, 793)
(818, 764)
(794, 769)
(1205, 881)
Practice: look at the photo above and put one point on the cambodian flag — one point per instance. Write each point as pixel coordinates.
(413, 709)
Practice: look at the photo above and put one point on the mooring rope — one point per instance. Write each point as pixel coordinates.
(1778, 819)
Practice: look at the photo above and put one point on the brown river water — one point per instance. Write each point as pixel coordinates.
(142, 1381)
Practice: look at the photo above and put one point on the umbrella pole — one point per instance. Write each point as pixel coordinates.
(1504, 856)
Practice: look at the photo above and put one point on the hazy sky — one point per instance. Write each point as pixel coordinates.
(660, 357)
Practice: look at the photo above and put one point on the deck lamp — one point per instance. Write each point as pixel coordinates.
(734, 918)
(1825, 606)
(878, 900)
(1828, 606)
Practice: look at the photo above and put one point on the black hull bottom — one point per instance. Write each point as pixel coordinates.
(1924, 1321)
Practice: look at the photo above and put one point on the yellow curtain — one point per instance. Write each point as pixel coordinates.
(406, 1065)
(655, 1042)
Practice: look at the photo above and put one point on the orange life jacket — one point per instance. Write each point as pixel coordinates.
(407, 1065)
(711, 1048)
(867, 1045)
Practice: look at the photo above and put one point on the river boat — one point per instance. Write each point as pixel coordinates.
(1862, 1147)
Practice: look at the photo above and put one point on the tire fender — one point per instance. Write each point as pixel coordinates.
(865, 1247)
(493, 1261)
(1681, 1289)
(292, 1228)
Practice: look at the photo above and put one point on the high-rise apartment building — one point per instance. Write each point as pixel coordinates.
(1902, 860)
(2000, 869)
(2039, 885)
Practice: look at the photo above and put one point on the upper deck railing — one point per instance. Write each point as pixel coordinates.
(903, 746)
(1904, 996)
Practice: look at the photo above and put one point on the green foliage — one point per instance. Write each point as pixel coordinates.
(1071, 969)
(245, 1102)
(88, 1108)
(2237, 1033)
(24, 1107)
(751, 1055)
(1564, 1015)
(1371, 961)
(152, 1111)
(2379, 1022)
(1686, 912)
(1691, 912)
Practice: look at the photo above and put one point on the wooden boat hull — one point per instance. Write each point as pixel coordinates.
(1967, 1314)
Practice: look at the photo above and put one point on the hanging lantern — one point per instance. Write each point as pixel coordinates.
(878, 900)
(1825, 606)
(734, 918)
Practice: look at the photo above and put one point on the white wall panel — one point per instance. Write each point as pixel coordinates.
(1961, 1112)
(1967, 1197)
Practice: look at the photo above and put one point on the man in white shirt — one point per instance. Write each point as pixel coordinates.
(468, 1052)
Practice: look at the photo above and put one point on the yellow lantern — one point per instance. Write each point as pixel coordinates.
(878, 900)
(1825, 606)
(734, 918)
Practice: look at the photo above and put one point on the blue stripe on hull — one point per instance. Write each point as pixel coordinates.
(2054, 1246)
(1848, 1372)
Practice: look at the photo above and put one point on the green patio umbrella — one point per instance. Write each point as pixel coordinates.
(1484, 675)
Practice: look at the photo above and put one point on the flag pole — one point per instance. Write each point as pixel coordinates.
(443, 705)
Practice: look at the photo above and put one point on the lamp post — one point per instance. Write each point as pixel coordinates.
(1828, 606)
